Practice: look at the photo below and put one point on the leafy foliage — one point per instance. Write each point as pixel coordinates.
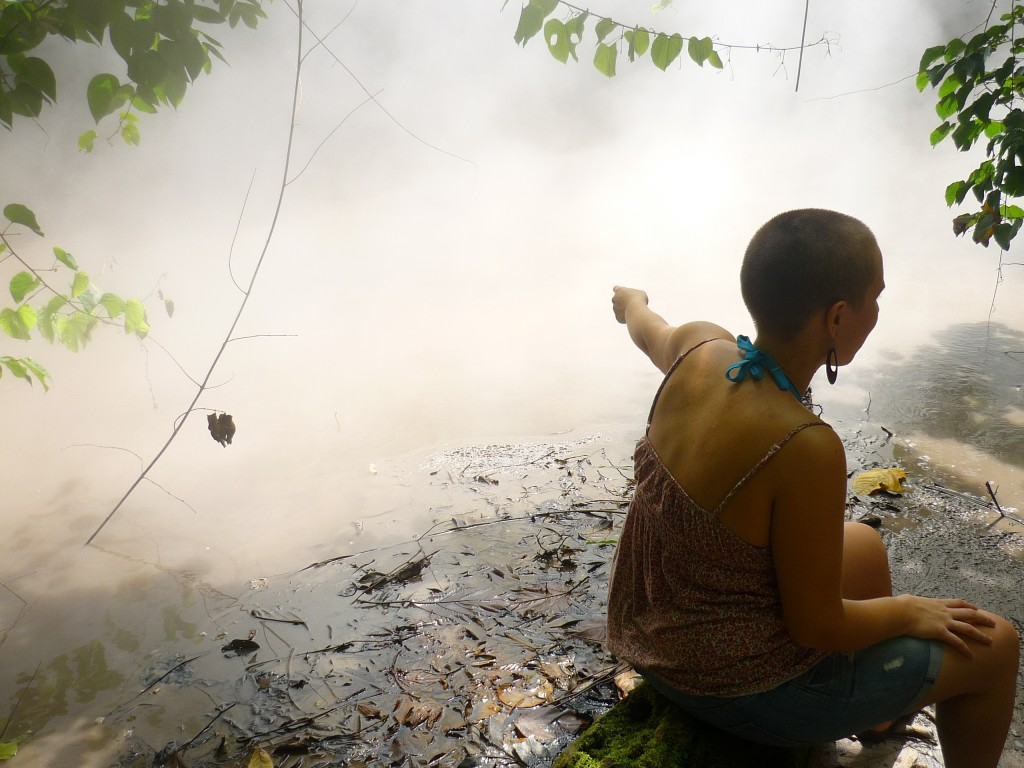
(564, 36)
(164, 47)
(161, 42)
(978, 100)
(65, 317)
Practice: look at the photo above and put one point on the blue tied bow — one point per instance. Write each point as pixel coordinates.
(755, 362)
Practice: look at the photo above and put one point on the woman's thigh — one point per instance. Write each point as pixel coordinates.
(841, 695)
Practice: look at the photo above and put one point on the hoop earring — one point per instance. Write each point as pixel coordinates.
(832, 364)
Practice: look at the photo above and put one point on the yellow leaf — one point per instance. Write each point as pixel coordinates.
(260, 759)
(879, 480)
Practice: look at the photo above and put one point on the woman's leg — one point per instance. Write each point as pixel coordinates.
(865, 563)
(865, 570)
(974, 697)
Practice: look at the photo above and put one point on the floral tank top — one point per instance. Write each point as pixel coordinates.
(692, 602)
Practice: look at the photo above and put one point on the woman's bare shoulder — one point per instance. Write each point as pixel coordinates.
(686, 336)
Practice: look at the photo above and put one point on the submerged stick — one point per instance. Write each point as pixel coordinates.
(992, 493)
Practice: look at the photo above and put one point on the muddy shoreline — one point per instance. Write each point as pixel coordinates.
(477, 642)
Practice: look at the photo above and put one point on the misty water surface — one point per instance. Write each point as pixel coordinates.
(440, 282)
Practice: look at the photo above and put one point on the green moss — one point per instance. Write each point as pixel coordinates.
(645, 730)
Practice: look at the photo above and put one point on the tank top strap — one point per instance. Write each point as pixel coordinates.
(671, 370)
(765, 459)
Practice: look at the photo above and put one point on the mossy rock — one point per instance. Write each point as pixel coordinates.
(645, 730)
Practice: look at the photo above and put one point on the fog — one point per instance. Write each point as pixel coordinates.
(440, 273)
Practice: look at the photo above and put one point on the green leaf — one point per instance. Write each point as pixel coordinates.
(604, 28)
(715, 60)
(16, 213)
(955, 47)
(604, 59)
(557, 39)
(530, 22)
(930, 56)
(14, 365)
(666, 49)
(1012, 212)
(948, 107)
(941, 132)
(574, 27)
(169, 306)
(26, 100)
(80, 284)
(951, 192)
(37, 370)
(13, 324)
(1013, 182)
(922, 81)
(700, 49)
(113, 304)
(130, 133)
(101, 95)
(639, 40)
(47, 317)
(28, 316)
(38, 73)
(8, 749)
(65, 258)
(135, 318)
(22, 284)
(86, 141)
(1004, 234)
(993, 129)
(75, 331)
(949, 85)
(88, 299)
(208, 15)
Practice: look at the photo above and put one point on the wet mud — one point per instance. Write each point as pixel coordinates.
(474, 642)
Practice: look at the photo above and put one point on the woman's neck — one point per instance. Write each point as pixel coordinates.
(793, 357)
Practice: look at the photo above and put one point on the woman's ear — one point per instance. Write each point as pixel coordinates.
(832, 317)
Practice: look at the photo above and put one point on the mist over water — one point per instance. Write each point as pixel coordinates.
(440, 276)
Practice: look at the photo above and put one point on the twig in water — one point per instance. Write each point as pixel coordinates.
(992, 493)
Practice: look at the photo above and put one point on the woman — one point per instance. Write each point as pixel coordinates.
(738, 590)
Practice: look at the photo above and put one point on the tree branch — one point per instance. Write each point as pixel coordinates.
(247, 292)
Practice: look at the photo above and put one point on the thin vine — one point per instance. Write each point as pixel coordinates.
(246, 293)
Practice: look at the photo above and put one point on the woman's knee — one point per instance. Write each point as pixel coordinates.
(993, 666)
(1005, 642)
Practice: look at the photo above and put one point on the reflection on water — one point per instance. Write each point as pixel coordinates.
(967, 386)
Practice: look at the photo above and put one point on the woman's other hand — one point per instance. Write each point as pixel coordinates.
(951, 621)
(622, 297)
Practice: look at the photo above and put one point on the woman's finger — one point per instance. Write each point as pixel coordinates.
(959, 645)
(971, 632)
(974, 617)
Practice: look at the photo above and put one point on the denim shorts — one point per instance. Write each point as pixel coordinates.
(841, 695)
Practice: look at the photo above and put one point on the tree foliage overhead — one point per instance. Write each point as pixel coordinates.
(564, 34)
(979, 99)
(163, 44)
(60, 316)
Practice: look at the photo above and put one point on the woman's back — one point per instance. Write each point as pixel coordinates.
(710, 433)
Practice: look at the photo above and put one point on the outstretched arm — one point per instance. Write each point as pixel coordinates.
(661, 342)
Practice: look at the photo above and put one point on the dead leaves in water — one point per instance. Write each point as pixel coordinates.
(455, 648)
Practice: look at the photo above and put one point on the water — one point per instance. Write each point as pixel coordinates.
(414, 302)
